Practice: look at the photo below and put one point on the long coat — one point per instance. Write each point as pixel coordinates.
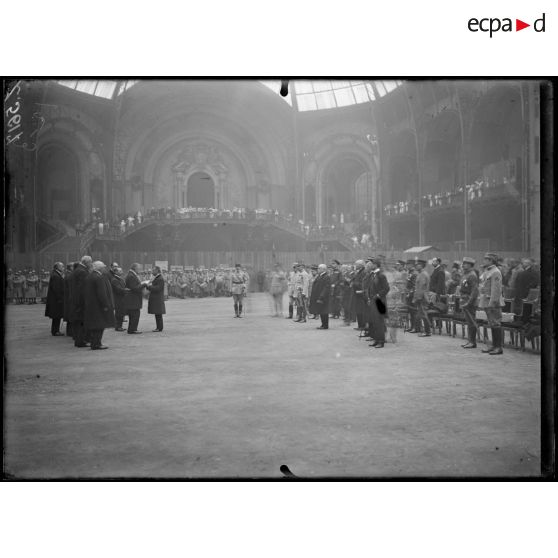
(55, 296)
(525, 280)
(77, 296)
(133, 299)
(421, 286)
(321, 287)
(118, 285)
(99, 305)
(67, 295)
(156, 303)
(358, 292)
(438, 281)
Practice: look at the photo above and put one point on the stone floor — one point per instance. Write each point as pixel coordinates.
(215, 396)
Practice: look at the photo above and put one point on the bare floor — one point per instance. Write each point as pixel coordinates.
(214, 396)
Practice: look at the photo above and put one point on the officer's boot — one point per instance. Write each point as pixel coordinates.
(240, 310)
(472, 344)
(298, 313)
(493, 346)
(236, 310)
(498, 341)
(290, 316)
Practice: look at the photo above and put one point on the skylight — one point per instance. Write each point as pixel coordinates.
(99, 88)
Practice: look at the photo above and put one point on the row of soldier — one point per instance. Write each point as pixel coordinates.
(90, 298)
(26, 286)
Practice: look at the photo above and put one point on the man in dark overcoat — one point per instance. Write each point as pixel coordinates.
(366, 282)
(77, 301)
(437, 282)
(156, 303)
(319, 299)
(377, 293)
(133, 298)
(55, 298)
(118, 285)
(336, 278)
(525, 280)
(359, 302)
(99, 305)
(67, 296)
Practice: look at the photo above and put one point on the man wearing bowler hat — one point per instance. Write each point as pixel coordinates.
(469, 292)
(491, 300)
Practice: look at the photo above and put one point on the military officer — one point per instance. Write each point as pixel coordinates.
(491, 300)
(468, 293)
(238, 289)
(321, 290)
(291, 291)
(301, 284)
(419, 297)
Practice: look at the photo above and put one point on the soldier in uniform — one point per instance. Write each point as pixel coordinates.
(19, 287)
(419, 298)
(410, 290)
(377, 293)
(238, 289)
(336, 278)
(469, 292)
(32, 284)
(311, 279)
(301, 283)
(491, 300)
(291, 291)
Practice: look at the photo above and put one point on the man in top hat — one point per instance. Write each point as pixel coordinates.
(290, 290)
(55, 299)
(319, 301)
(238, 289)
(377, 293)
(419, 298)
(469, 292)
(336, 278)
(491, 300)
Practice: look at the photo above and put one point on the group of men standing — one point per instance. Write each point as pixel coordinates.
(91, 298)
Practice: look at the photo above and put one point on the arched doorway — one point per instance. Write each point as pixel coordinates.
(200, 191)
(340, 190)
(58, 184)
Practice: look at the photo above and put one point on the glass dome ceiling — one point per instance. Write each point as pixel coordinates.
(309, 94)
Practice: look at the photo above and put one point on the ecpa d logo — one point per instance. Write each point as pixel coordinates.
(493, 25)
